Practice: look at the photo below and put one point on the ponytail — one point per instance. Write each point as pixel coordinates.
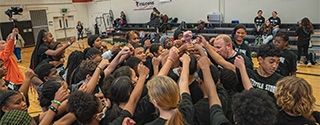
(176, 118)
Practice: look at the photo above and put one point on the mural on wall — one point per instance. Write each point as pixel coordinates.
(143, 4)
(165, 1)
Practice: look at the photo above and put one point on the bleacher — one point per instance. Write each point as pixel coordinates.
(226, 28)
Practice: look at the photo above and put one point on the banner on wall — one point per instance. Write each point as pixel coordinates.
(165, 1)
(143, 4)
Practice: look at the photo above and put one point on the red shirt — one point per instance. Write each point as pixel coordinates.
(14, 74)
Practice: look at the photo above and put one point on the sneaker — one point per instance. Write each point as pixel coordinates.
(309, 64)
(298, 63)
(19, 61)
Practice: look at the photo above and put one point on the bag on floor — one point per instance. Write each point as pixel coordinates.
(313, 57)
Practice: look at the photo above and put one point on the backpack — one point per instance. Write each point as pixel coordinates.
(313, 56)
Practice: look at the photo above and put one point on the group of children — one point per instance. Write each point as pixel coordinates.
(267, 29)
(185, 81)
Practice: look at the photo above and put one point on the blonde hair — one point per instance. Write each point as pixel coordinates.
(224, 37)
(294, 95)
(165, 92)
(131, 34)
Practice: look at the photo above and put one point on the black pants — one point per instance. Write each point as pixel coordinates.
(304, 51)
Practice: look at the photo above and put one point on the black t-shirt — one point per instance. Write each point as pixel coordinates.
(288, 63)
(275, 21)
(304, 36)
(247, 61)
(144, 112)
(195, 91)
(285, 119)
(201, 115)
(119, 120)
(42, 53)
(267, 84)
(259, 21)
(186, 109)
(243, 48)
(217, 116)
(79, 28)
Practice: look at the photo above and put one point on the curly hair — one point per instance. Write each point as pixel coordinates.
(48, 92)
(83, 105)
(215, 74)
(294, 95)
(91, 53)
(283, 35)
(131, 34)
(228, 78)
(268, 50)
(254, 107)
(86, 67)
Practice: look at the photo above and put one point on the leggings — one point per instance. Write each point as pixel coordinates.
(303, 50)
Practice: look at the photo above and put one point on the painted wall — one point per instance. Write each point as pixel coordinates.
(78, 10)
(185, 10)
(289, 11)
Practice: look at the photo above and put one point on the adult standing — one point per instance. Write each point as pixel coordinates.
(18, 44)
(258, 21)
(275, 21)
(154, 18)
(80, 30)
(303, 35)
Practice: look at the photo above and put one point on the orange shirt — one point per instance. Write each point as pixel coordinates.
(14, 74)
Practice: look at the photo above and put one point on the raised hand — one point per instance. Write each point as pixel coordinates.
(202, 41)
(115, 47)
(198, 47)
(62, 94)
(128, 121)
(103, 64)
(239, 62)
(15, 32)
(72, 39)
(143, 70)
(83, 88)
(187, 36)
(204, 62)
(185, 58)
(156, 61)
(29, 73)
(173, 53)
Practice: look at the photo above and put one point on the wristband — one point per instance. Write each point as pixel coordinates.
(55, 101)
(69, 43)
(53, 109)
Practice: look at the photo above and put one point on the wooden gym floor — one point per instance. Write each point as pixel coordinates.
(311, 74)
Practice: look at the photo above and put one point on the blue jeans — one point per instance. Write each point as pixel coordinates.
(80, 34)
(17, 52)
(274, 31)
